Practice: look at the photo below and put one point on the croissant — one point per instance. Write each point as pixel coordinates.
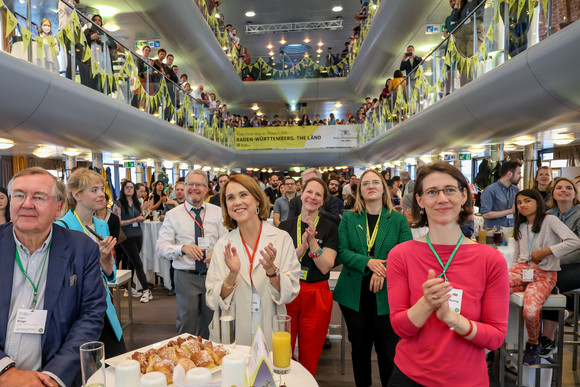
(203, 359)
(151, 362)
(142, 359)
(168, 353)
(165, 366)
(186, 363)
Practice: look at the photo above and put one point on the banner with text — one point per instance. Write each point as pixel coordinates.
(297, 137)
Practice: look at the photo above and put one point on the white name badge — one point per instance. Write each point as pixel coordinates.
(30, 321)
(528, 275)
(455, 300)
(203, 242)
(255, 302)
(135, 224)
(510, 216)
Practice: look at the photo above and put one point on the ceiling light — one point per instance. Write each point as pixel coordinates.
(509, 147)
(524, 140)
(270, 170)
(320, 44)
(411, 161)
(167, 164)
(562, 139)
(106, 11)
(264, 170)
(250, 14)
(72, 152)
(117, 157)
(269, 46)
(205, 169)
(259, 114)
(255, 107)
(255, 169)
(282, 41)
(6, 143)
(338, 8)
(319, 51)
(297, 119)
(88, 157)
(42, 152)
(334, 111)
(271, 53)
(337, 104)
(306, 40)
(111, 27)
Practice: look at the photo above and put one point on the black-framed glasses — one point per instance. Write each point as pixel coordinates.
(433, 193)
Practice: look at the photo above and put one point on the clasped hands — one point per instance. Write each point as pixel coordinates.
(379, 270)
(309, 235)
(436, 294)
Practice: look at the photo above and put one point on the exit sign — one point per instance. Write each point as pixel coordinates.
(128, 164)
(465, 156)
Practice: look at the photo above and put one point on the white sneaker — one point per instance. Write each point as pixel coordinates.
(147, 296)
(136, 293)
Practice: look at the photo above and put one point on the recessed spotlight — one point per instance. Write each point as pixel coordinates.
(282, 41)
(320, 44)
(250, 14)
(255, 107)
(338, 104)
(269, 46)
(271, 53)
(306, 40)
(338, 8)
(319, 51)
(111, 27)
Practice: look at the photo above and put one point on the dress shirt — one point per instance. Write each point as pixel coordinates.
(498, 197)
(282, 206)
(25, 349)
(178, 229)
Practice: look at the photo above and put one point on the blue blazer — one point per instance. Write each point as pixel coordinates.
(75, 308)
(70, 221)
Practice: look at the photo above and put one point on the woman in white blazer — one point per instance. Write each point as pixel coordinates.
(254, 266)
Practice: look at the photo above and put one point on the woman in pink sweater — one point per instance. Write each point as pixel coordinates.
(449, 296)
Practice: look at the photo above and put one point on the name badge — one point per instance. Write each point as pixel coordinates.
(30, 321)
(135, 224)
(255, 303)
(528, 275)
(303, 273)
(510, 216)
(455, 300)
(203, 242)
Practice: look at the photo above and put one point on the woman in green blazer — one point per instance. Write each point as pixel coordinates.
(366, 235)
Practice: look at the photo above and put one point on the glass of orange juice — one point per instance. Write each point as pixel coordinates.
(282, 351)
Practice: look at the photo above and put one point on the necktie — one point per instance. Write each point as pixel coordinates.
(200, 266)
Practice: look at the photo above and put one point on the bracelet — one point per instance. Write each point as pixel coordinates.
(228, 286)
(470, 329)
(316, 254)
(456, 324)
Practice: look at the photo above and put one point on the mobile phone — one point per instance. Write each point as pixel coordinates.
(409, 54)
(95, 234)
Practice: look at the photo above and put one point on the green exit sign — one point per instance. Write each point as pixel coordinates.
(128, 164)
(465, 156)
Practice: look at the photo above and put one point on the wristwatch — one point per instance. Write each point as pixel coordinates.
(276, 272)
(316, 254)
(10, 365)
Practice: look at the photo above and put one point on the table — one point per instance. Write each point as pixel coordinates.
(152, 264)
(298, 375)
(123, 278)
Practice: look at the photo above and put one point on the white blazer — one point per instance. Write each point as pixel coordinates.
(273, 301)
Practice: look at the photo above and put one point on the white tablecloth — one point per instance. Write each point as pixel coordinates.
(152, 264)
(297, 377)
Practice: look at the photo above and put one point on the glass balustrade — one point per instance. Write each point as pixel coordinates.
(63, 40)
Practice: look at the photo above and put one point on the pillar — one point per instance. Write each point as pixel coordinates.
(529, 167)
(70, 163)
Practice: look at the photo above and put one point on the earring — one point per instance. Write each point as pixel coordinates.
(422, 211)
(258, 210)
(462, 209)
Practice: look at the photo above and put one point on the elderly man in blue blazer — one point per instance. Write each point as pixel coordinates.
(52, 299)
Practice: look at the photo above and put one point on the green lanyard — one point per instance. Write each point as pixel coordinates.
(35, 287)
(371, 239)
(299, 232)
(444, 274)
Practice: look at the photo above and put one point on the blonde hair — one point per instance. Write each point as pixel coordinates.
(552, 203)
(78, 181)
(360, 206)
(254, 189)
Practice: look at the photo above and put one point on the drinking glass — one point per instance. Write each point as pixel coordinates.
(497, 238)
(282, 351)
(228, 324)
(93, 364)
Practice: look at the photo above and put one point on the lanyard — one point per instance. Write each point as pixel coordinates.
(565, 216)
(251, 256)
(299, 232)
(530, 244)
(81, 223)
(195, 220)
(371, 239)
(35, 287)
(507, 196)
(446, 266)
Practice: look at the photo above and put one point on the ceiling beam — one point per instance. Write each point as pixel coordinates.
(294, 27)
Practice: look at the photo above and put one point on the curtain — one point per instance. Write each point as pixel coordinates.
(149, 175)
(18, 164)
(6, 171)
(570, 153)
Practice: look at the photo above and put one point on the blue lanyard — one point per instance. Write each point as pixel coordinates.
(565, 216)
(530, 244)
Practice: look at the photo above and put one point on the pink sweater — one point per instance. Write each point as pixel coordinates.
(434, 355)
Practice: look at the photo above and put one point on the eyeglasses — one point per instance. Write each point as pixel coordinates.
(290, 183)
(198, 185)
(375, 183)
(129, 187)
(37, 199)
(433, 193)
